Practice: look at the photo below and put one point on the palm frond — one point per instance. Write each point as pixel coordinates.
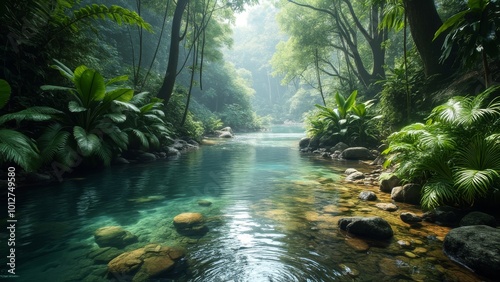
(31, 114)
(52, 141)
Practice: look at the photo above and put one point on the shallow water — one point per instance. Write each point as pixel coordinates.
(273, 218)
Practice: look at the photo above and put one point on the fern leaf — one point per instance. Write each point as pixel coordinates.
(18, 148)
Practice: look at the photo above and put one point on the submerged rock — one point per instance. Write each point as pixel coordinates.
(477, 247)
(145, 263)
(372, 227)
(204, 203)
(355, 176)
(367, 196)
(409, 193)
(350, 171)
(410, 218)
(190, 223)
(113, 236)
(478, 218)
(104, 255)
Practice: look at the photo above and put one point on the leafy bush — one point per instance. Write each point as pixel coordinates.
(347, 122)
(455, 154)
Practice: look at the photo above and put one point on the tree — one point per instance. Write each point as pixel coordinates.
(424, 21)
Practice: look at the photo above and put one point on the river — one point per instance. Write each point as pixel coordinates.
(273, 217)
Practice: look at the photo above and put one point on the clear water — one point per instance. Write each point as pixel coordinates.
(273, 218)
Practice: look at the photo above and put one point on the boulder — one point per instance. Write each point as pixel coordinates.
(190, 223)
(447, 216)
(350, 171)
(146, 157)
(476, 247)
(227, 129)
(225, 134)
(113, 236)
(367, 196)
(172, 152)
(410, 193)
(386, 185)
(356, 153)
(409, 217)
(372, 227)
(387, 206)
(304, 142)
(478, 218)
(339, 147)
(145, 263)
(179, 144)
(355, 176)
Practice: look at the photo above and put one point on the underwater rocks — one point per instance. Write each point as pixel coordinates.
(372, 227)
(142, 264)
(410, 218)
(387, 206)
(204, 203)
(356, 175)
(104, 255)
(113, 236)
(367, 196)
(477, 247)
(190, 223)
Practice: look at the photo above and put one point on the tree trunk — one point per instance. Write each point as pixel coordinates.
(173, 58)
(424, 22)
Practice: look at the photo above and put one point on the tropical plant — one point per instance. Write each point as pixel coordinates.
(455, 154)
(476, 32)
(94, 109)
(147, 128)
(347, 122)
(15, 146)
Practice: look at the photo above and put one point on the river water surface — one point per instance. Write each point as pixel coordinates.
(273, 218)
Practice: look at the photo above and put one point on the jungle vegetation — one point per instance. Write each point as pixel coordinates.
(100, 78)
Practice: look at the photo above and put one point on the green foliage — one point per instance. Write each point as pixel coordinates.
(347, 122)
(455, 155)
(147, 129)
(94, 109)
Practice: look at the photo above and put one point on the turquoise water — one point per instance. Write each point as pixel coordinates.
(273, 218)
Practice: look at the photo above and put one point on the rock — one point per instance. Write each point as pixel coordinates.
(357, 244)
(409, 217)
(120, 160)
(339, 147)
(477, 247)
(304, 142)
(356, 153)
(404, 244)
(386, 185)
(478, 218)
(146, 157)
(172, 152)
(104, 255)
(373, 227)
(190, 223)
(145, 263)
(379, 160)
(227, 129)
(113, 236)
(447, 216)
(410, 255)
(387, 206)
(346, 270)
(350, 171)
(225, 134)
(367, 196)
(204, 203)
(410, 193)
(355, 176)
(193, 142)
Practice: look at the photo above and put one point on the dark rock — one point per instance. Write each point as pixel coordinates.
(367, 196)
(478, 218)
(304, 142)
(325, 155)
(120, 160)
(386, 185)
(113, 236)
(204, 203)
(356, 153)
(146, 157)
(161, 155)
(409, 217)
(447, 216)
(379, 160)
(339, 147)
(172, 152)
(373, 227)
(193, 142)
(387, 206)
(477, 247)
(355, 176)
(410, 193)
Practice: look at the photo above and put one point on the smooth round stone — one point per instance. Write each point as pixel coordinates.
(204, 203)
(404, 244)
(420, 250)
(410, 255)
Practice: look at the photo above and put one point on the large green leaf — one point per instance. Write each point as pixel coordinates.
(18, 148)
(121, 94)
(64, 70)
(91, 87)
(4, 93)
(88, 143)
(75, 107)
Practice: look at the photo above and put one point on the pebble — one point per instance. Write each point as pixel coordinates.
(410, 255)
